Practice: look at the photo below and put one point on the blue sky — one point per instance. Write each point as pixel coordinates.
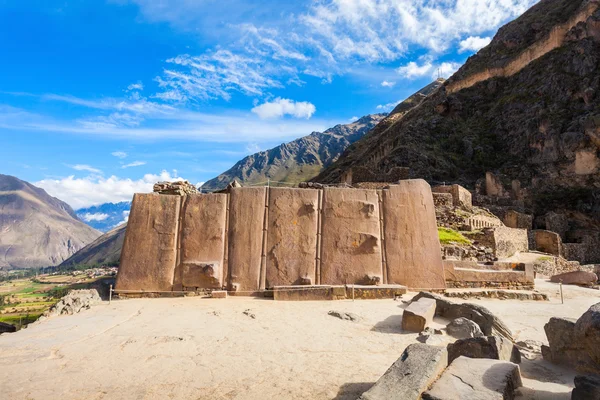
(99, 99)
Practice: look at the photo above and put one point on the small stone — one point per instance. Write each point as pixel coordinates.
(344, 316)
(250, 314)
(462, 328)
(418, 315)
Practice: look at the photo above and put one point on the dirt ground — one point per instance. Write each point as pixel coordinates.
(244, 348)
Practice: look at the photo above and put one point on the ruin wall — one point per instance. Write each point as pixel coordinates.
(253, 239)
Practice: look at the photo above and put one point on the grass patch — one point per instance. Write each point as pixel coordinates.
(448, 236)
(20, 320)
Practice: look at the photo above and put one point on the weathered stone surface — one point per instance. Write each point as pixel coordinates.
(246, 224)
(179, 188)
(547, 242)
(7, 328)
(344, 316)
(493, 347)
(305, 293)
(476, 379)
(202, 241)
(587, 332)
(508, 241)
(463, 328)
(74, 302)
(562, 345)
(575, 278)
(493, 185)
(587, 387)
(488, 322)
(418, 315)
(485, 275)
(292, 237)
(461, 197)
(351, 244)
(515, 219)
(418, 366)
(218, 294)
(149, 251)
(412, 245)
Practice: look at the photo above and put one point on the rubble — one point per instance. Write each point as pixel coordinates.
(178, 188)
(74, 302)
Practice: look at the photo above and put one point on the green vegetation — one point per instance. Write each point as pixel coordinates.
(448, 236)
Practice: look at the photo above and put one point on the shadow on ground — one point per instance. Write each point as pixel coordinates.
(352, 391)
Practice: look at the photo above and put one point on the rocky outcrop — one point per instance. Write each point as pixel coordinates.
(36, 229)
(298, 160)
(74, 302)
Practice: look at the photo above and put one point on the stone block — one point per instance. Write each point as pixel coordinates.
(547, 242)
(149, 251)
(587, 333)
(416, 369)
(303, 293)
(558, 223)
(412, 246)
(461, 197)
(480, 379)
(442, 199)
(418, 315)
(292, 237)
(493, 347)
(218, 294)
(375, 292)
(583, 278)
(493, 185)
(509, 241)
(351, 243)
(515, 219)
(202, 241)
(246, 224)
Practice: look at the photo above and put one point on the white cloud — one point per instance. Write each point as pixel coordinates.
(95, 190)
(473, 43)
(353, 119)
(135, 86)
(85, 167)
(88, 217)
(413, 70)
(199, 184)
(252, 148)
(388, 107)
(119, 154)
(281, 107)
(388, 84)
(134, 164)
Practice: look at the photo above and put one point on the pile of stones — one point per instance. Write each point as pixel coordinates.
(74, 302)
(179, 188)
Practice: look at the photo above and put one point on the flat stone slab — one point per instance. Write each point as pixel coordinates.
(375, 292)
(418, 315)
(410, 375)
(476, 379)
(306, 293)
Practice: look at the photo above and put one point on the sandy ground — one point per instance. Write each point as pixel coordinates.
(193, 348)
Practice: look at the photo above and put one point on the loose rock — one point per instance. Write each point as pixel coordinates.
(74, 302)
(583, 278)
(418, 315)
(345, 316)
(462, 328)
(492, 347)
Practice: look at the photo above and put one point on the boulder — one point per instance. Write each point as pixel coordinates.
(587, 387)
(583, 278)
(418, 315)
(587, 333)
(492, 347)
(481, 379)
(74, 302)
(462, 328)
(562, 347)
(488, 322)
(417, 368)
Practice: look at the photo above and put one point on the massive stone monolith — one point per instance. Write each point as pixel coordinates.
(246, 225)
(202, 242)
(149, 251)
(351, 244)
(292, 237)
(411, 237)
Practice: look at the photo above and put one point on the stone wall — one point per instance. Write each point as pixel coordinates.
(461, 197)
(253, 239)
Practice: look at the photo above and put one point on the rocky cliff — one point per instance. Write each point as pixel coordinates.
(298, 160)
(36, 229)
(525, 107)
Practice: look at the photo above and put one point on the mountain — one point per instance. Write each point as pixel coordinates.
(36, 229)
(526, 107)
(105, 216)
(298, 160)
(106, 250)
